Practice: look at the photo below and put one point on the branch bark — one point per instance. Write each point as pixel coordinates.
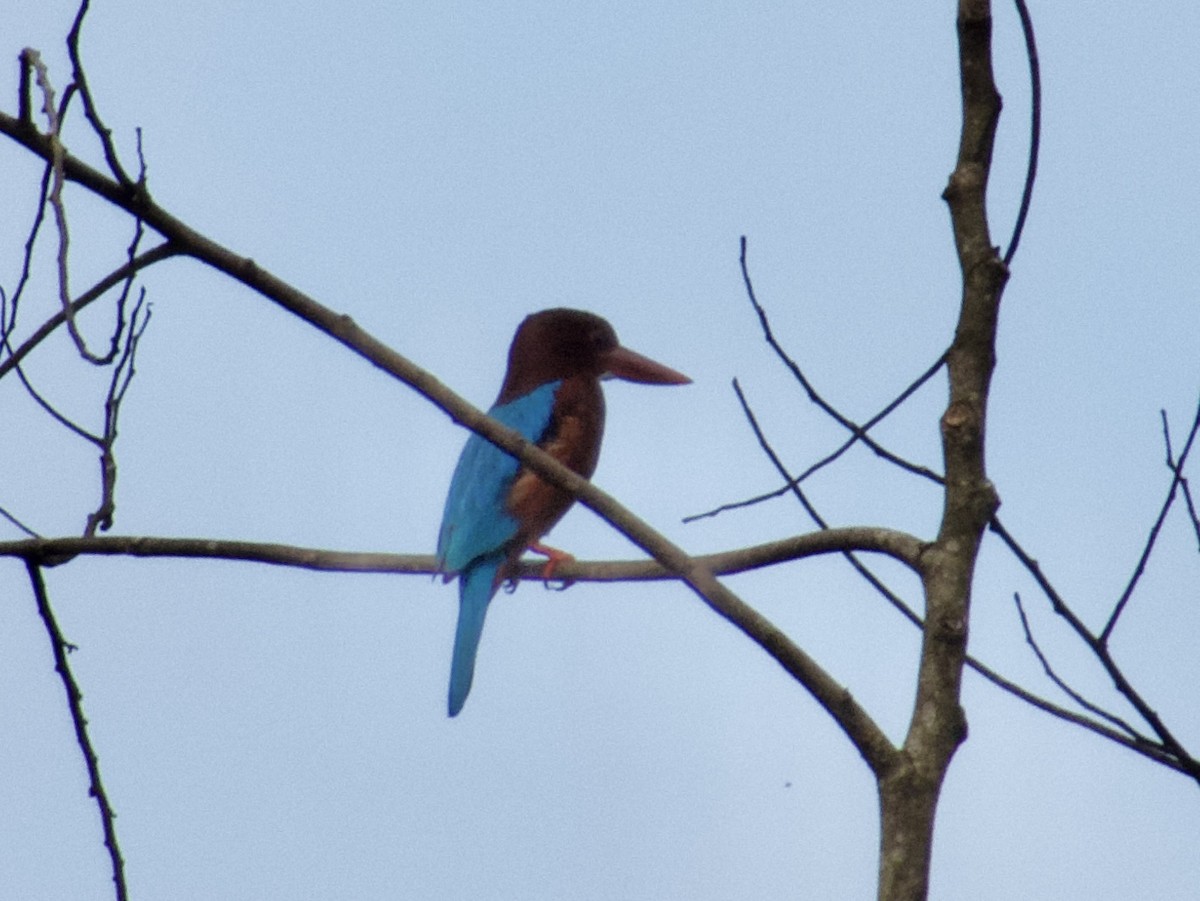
(899, 545)
(909, 792)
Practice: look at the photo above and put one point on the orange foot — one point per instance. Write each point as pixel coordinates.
(555, 558)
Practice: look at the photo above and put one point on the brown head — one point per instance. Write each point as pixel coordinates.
(561, 343)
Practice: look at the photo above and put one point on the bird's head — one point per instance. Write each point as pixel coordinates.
(561, 343)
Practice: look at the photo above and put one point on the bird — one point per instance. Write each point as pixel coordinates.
(496, 508)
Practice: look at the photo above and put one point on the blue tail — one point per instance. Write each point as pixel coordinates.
(476, 586)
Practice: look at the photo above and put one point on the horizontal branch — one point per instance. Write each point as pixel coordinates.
(902, 547)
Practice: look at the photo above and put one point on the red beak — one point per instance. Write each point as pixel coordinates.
(633, 367)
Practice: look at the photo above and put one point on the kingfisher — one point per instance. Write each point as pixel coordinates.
(496, 508)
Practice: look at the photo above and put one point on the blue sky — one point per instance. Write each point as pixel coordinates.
(437, 172)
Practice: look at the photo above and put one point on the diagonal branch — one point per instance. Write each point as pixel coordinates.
(1128, 738)
(62, 666)
(103, 132)
(856, 430)
(120, 275)
(1102, 653)
(794, 486)
(1152, 538)
(1054, 677)
(1177, 468)
(866, 735)
(859, 432)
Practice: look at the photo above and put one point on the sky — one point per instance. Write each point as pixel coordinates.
(438, 171)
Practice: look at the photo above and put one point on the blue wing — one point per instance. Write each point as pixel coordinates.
(476, 527)
(476, 521)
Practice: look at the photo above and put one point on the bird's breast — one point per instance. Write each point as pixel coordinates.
(573, 438)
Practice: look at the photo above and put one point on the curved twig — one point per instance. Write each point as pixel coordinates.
(118, 276)
(1035, 128)
(859, 432)
(103, 132)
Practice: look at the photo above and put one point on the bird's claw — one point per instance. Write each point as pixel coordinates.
(555, 557)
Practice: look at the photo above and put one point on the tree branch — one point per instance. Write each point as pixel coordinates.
(909, 795)
(866, 735)
(902, 547)
(62, 666)
(859, 433)
(120, 275)
(1152, 537)
(1054, 677)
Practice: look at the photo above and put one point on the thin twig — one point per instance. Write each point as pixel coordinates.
(1170, 744)
(8, 321)
(890, 596)
(20, 525)
(859, 432)
(103, 132)
(122, 375)
(55, 199)
(61, 418)
(1150, 749)
(121, 275)
(60, 648)
(1183, 482)
(1035, 128)
(1067, 689)
(834, 455)
(1148, 549)
(25, 87)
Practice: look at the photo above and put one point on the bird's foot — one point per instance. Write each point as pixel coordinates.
(556, 557)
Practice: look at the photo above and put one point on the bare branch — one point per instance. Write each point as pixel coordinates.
(1152, 538)
(62, 666)
(1188, 764)
(859, 432)
(871, 540)
(103, 132)
(1131, 739)
(62, 419)
(794, 486)
(55, 199)
(53, 551)
(1151, 750)
(1067, 689)
(866, 735)
(20, 525)
(121, 377)
(1177, 468)
(121, 275)
(25, 87)
(1035, 128)
(8, 317)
